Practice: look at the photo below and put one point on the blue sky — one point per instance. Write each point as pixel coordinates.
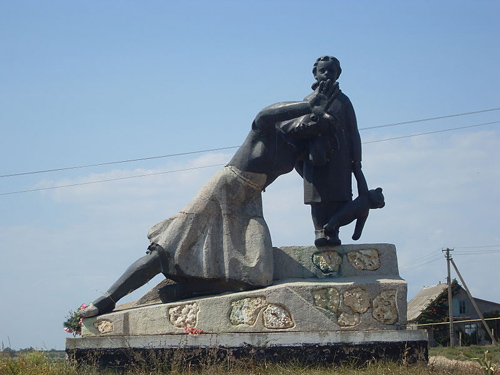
(89, 82)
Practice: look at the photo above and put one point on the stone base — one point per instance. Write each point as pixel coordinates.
(355, 347)
(360, 303)
(345, 303)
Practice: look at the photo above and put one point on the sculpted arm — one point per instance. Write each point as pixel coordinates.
(360, 179)
(279, 112)
(317, 104)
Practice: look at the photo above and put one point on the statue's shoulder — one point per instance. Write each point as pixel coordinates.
(343, 98)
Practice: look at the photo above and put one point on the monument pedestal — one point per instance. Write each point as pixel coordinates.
(344, 303)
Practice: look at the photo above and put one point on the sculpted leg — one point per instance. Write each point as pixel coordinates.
(138, 274)
(194, 287)
(321, 213)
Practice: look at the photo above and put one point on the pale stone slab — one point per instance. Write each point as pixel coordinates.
(306, 262)
(270, 339)
(313, 305)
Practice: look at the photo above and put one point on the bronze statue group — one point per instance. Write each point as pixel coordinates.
(220, 241)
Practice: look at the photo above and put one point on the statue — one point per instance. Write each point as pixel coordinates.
(220, 241)
(331, 157)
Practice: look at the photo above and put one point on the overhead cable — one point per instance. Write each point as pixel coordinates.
(430, 119)
(232, 147)
(109, 180)
(433, 132)
(118, 162)
(180, 170)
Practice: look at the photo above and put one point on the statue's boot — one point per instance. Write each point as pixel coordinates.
(100, 306)
(333, 239)
(138, 274)
(321, 239)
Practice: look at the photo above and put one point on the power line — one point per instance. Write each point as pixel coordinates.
(421, 261)
(433, 256)
(414, 266)
(117, 162)
(109, 180)
(480, 253)
(483, 250)
(194, 152)
(428, 255)
(430, 119)
(232, 147)
(433, 132)
(475, 247)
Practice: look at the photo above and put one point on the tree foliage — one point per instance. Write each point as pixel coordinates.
(437, 312)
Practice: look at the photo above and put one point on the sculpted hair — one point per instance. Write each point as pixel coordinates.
(327, 58)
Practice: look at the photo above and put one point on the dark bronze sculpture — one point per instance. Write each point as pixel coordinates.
(331, 156)
(220, 241)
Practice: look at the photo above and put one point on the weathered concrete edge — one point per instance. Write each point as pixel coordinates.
(244, 339)
(296, 261)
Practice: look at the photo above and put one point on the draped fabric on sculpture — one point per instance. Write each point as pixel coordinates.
(221, 233)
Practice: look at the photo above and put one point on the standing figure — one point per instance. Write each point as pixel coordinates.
(332, 155)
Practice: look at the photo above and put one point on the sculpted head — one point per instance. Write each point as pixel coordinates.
(327, 67)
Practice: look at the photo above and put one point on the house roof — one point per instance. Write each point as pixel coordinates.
(423, 299)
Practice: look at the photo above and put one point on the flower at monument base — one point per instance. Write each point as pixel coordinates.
(192, 331)
(73, 323)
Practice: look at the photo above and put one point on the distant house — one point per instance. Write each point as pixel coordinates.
(430, 305)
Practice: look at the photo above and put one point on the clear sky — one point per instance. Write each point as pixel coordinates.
(90, 82)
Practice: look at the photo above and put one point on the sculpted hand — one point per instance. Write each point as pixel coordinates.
(323, 97)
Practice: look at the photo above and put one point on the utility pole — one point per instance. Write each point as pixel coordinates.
(450, 297)
(493, 341)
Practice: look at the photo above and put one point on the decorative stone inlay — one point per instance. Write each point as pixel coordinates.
(327, 298)
(104, 326)
(384, 307)
(364, 260)
(246, 311)
(277, 317)
(347, 319)
(357, 299)
(327, 261)
(184, 315)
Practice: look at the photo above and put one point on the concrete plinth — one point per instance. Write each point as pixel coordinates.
(341, 303)
(305, 347)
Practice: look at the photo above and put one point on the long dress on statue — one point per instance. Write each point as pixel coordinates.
(221, 234)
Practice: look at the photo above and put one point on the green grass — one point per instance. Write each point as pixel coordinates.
(474, 350)
(40, 363)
